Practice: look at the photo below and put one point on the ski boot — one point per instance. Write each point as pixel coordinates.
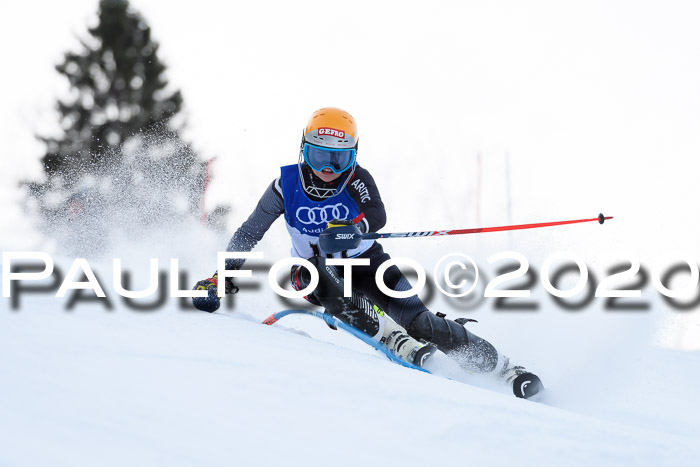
(474, 354)
(359, 312)
(370, 319)
(404, 346)
(524, 384)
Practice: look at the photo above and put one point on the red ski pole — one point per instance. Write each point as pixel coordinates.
(346, 237)
(432, 233)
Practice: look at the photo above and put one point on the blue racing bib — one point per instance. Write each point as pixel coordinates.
(306, 219)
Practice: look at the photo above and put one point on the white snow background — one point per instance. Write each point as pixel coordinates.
(595, 104)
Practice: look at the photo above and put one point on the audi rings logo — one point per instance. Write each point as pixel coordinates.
(323, 214)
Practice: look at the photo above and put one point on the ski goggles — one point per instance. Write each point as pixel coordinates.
(338, 160)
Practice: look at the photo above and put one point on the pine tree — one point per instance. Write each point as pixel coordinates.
(118, 88)
(117, 139)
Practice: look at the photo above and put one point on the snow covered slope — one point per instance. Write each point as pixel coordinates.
(169, 387)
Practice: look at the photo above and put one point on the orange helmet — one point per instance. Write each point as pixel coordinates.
(331, 128)
(330, 134)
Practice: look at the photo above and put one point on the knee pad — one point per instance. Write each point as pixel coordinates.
(301, 278)
(330, 282)
(471, 351)
(328, 292)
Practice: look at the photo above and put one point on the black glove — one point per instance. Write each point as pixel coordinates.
(212, 302)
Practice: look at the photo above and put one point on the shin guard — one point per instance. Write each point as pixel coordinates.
(471, 351)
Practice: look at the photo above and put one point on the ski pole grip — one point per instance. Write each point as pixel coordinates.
(337, 239)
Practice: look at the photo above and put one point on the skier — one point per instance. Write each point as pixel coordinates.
(325, 191)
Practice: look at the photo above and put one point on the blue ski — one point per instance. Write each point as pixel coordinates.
(336, 323)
